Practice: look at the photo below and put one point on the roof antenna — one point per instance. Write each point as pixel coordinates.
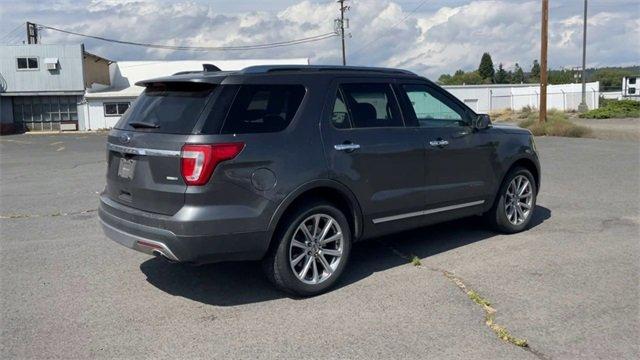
(210, 67)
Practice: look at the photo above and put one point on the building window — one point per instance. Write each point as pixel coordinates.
(115, 109)
(27, 63)
(31, 109)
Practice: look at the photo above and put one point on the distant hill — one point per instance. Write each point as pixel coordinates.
(611, 77)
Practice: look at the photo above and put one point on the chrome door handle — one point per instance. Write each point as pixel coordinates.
(343, 147)
(438, 143)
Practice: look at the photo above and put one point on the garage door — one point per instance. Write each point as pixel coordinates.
(46, 112)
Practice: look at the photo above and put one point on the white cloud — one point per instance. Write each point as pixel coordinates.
(434, 42)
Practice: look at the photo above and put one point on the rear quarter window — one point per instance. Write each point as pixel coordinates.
(172, 108)
(263, 108)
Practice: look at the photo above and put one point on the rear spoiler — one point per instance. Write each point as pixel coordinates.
(204, 76)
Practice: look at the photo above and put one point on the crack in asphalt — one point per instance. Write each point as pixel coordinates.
(490, 312)
(56, 214)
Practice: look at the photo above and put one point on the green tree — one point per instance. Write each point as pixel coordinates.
(472, 78)
(486, 70)
(534, 76)
(460, 77)
(501, 75)
(611, 78)
(561, 77)
(518, 75)
(444, 79)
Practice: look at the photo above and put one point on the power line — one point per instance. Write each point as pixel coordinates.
(201, 48)
(392, 27)
(6, 36)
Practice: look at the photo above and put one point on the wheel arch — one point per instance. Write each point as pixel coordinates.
(528, 164)
(326, 189)
(525, 162)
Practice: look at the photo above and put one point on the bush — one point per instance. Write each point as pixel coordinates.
(557, 124)
(615, 109)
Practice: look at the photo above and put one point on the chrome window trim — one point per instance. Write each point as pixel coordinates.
(142, 151)
(426, 212)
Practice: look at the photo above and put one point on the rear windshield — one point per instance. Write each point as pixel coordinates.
(171, 108)
(254, 109)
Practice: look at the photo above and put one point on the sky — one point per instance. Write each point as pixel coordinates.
(430, 37)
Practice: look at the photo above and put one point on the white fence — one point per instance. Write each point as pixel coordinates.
(488, 98)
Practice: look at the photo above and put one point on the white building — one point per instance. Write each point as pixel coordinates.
(631, 87)
(103, 106)
(488, 98)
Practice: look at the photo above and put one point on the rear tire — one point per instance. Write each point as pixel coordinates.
(515, 202)
(308, 262)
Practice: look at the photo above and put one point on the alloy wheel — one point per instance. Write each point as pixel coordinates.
(519, 200)
(316, 249)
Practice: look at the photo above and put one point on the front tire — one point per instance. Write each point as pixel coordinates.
(311, 250)
(515, 202)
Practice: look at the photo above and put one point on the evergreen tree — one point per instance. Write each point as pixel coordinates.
(486, 70)
(518, 75)
(501, 75)
(535, 72)
(460, 77)
(509, 77)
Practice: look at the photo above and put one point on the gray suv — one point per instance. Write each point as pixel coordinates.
(293, 164)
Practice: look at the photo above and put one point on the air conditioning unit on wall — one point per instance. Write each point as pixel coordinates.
(51, 63)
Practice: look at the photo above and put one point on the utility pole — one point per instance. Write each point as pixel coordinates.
(32, 33)
(340, 26)
(543, 60)
(583, 105)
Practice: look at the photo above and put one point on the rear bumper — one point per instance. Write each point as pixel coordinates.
(149, 233)
(139, 243)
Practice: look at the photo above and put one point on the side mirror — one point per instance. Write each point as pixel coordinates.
(482, 121)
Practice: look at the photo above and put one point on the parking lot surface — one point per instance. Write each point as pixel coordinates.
(569, 285)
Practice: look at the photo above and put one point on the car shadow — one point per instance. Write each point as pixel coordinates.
(237, 283)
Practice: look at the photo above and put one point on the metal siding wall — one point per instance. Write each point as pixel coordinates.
(68, 77)
(6, 110)
(96, 119)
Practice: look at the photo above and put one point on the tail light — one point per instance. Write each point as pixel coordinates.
(197, 162)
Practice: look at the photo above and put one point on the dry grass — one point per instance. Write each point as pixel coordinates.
(510, 115)
(503, 115)
(557, 124)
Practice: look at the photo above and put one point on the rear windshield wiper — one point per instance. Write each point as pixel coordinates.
(142, 124)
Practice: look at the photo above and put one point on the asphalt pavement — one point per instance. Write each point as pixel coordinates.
(569, 285)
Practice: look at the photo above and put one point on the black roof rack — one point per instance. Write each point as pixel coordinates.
(261, 69)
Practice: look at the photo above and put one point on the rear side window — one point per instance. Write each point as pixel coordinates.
(172, 108)
(263, 108)
(368, 105)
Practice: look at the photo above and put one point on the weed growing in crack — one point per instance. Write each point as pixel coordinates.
(415, 261)
(490, 312)
(477, 298)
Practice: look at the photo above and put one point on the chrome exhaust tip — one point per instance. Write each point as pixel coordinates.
(164, 257)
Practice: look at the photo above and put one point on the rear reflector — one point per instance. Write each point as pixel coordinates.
(150, 245)
(198, 161)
